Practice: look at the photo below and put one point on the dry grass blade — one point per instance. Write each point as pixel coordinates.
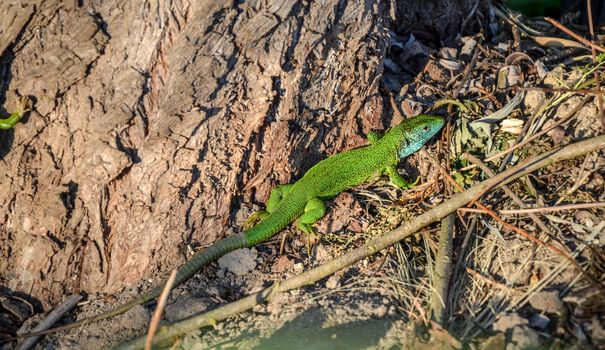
(558, 42)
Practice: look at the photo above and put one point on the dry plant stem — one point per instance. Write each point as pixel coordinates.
(541, 209)
(516, 38)
(573, 34)
(594, 60)
(509, 156)
(157, 315)
(582, 176)
(443, 270)
(528, 140)
(50, 320)
(523, 132)
(376, 244)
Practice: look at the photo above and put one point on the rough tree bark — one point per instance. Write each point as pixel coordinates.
(154, 120)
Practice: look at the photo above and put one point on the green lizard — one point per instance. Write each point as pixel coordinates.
(23, 105)
(303, 201)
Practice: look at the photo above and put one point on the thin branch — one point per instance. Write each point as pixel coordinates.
(376, 244)
(540, 209)
(443, 270)
(573, 34)
(50, 320)
(554, 90)
(157, 315)
(594, 60)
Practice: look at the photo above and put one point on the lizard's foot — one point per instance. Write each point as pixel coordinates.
(255, 218)
(312, 236)
(406, 185)
(399, 181)
(314, 210)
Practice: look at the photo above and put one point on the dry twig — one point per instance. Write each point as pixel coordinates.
(50, 320)
(594, 60)
(443, 270)
(573, 34)
(541, 209)
(157, 315)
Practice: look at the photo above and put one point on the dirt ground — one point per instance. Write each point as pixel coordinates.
(505, 291)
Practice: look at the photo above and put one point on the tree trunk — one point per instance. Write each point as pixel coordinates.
(154, 121)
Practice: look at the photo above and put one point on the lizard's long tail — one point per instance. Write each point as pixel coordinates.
(202, 258)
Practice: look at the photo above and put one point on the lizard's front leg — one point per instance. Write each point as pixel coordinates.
(397, 180)
(276, 196)
(374, 136)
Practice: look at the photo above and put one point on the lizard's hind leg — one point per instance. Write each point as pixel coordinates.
(277, 194)
(314, 210)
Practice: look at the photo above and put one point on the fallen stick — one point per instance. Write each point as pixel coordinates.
(376, 244)
(50, 320)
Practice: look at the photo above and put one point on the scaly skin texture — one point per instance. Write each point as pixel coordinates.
(303, 201)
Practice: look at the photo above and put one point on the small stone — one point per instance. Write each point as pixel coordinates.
(282, 264)
(547, 301)
(212, 291)
(522, 338)
(332, 282)
(321, 253)
(238, 262)
(381, 311)
(557, 135)
(598, 331)
(508, 321)
(539, 321)
(503, 47)
(184, 307)
(585, 217)
(533, 98)
(339, 312)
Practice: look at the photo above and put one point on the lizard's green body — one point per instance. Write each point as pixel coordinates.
(303, 201)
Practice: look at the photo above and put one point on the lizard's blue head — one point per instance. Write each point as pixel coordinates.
(416, 132)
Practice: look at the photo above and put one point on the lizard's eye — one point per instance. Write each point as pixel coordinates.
(426, 128)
